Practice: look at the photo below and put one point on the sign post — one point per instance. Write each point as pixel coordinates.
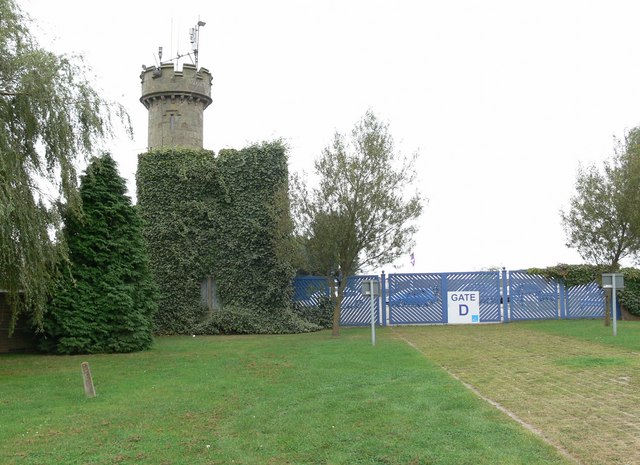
(613, 281)
(372, 288)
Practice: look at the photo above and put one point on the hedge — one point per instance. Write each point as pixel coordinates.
(574, 275)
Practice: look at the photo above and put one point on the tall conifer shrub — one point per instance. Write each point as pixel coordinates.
(106, 298)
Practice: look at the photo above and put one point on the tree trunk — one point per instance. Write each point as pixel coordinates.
(337, 306)
(335, 331)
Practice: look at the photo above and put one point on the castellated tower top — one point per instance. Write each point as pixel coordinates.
(176, 101)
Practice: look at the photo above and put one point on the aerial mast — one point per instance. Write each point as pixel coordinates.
(194, 34)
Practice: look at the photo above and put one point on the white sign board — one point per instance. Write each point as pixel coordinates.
(464, 307)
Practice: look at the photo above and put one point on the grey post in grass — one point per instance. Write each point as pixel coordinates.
(372, 289)
(613, 281)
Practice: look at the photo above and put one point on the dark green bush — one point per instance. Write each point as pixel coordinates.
(106, 298)
(630, 295)
(321, 314)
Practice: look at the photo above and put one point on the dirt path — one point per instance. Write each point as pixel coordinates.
(582, 397)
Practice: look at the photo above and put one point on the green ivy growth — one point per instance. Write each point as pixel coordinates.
(571, 275)
(575, 275)
(321, 314)
(630, 295)
(225, 217)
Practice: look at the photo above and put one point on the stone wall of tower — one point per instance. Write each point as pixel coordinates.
(176, 101)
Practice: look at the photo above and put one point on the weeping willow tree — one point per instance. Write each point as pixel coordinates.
(50, 115)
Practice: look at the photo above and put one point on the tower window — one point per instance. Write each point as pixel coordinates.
(172, 121)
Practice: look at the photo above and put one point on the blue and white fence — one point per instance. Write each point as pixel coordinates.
(426, 298)
(532, 297)
(356, 307)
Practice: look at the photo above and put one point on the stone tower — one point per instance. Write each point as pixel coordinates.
(176, 101)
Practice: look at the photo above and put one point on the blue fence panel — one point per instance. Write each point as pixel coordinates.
(585, 301)
(532, 297)
(308, 291)
(421, 298)
(487, 283)
(416, 298)
(356, 307)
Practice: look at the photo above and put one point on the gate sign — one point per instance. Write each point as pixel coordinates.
(464, 307)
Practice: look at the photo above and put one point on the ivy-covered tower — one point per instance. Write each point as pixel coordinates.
(217, 234)
(176, 101)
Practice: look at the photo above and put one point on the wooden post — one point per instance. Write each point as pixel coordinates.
(89, 390)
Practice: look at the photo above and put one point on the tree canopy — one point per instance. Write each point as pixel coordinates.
(49, 116)
(106, 298)
(603, 221)
(361, 215)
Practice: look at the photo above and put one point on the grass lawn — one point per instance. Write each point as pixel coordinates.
(571, 380)
(592, 330)
(295, 399)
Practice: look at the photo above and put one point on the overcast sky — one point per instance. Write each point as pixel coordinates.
(502, 99)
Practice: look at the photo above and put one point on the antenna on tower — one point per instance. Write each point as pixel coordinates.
(194, 37)
(194, 34)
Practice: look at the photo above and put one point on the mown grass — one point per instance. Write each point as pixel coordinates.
(296, 399)
(572, 380)
(628, 332)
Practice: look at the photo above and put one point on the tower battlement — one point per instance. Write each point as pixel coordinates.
(176, 101)
(166, 82)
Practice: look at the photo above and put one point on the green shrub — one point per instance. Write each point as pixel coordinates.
(106, 298)
(238, 320)
(630, 295)
(571, 275)
(321, 314)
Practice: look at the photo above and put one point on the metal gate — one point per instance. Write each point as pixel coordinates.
(422, 298)
(416, 299)
(585, 301)
(532, 297)
(310, 291)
